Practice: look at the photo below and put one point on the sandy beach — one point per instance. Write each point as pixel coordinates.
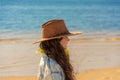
(101, 74)
(92, 59)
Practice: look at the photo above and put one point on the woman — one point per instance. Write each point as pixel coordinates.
(54, 63)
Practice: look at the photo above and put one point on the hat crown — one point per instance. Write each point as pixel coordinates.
(54, 28)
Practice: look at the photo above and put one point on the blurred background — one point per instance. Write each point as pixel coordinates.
(20, 21)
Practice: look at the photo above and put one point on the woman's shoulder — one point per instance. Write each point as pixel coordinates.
(47, 60)
(51, 63)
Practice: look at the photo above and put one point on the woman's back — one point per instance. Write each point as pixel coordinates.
(49, 69)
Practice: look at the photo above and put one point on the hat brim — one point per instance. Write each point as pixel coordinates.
(69, 34)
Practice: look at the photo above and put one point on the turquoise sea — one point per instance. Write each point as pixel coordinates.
(23, 18)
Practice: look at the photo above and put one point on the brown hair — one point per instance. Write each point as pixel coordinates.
(54, 50)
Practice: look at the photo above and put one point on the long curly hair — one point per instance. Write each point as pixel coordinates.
(54, 50)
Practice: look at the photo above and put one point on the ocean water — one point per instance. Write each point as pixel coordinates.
(23, 18)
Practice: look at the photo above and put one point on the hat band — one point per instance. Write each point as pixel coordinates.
(61, 34)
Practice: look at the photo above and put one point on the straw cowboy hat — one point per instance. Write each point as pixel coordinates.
(54, 29)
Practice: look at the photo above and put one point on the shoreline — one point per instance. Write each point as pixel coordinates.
(17, 40)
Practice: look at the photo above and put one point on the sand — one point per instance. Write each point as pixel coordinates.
(91, 59)
(101, 74)
(19, 78)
